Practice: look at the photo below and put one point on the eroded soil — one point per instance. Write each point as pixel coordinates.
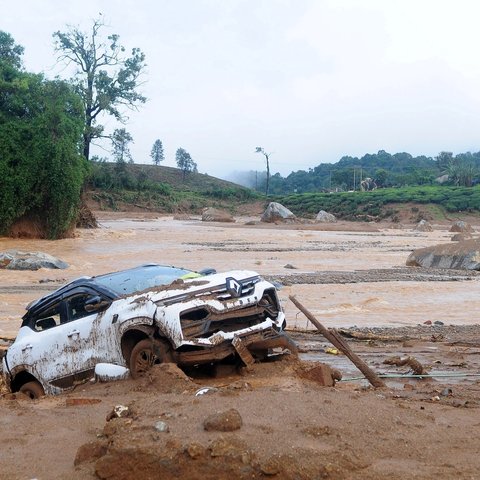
(292, 427)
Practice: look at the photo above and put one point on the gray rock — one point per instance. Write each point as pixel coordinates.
(17, 260)
(227, 421)
(325, 217)
(210, 214)
(458, 256)
(461, 237)
(462, 227)
(161, 426)
(276, 212)
(423, 226)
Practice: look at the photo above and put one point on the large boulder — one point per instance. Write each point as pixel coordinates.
(459, 256)
(16, 260)
(276, 212)
(325, 217)
(461, 227)
(211, 214)
(423, 226)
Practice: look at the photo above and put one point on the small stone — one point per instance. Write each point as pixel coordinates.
(227, 421)
(195, 450)
(290, 266)
(270, 467)
(161, 426)
(428, 322)
(438, 323)
(446, 392)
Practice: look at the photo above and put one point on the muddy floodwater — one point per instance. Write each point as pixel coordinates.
(362, 278)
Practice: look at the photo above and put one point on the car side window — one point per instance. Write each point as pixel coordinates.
(77, 306)
(49, 318)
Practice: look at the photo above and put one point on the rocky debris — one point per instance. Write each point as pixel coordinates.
(462, 227)
(423, 226)
(86, 218)
(119, 411)
(406, 274)
(182, 216)
(276, 212)
(325, 217)
(90, 451)
(461, 237)
(227, 421)
(320, 373)
(289, 266)
(458, 256)
(210, 214)
(17, 260)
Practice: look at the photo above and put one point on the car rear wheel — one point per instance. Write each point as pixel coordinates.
(147, 353)
(32, 389)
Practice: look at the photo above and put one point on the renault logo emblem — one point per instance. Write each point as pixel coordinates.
(234, 288)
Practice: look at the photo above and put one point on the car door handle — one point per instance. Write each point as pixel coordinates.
(27, 347)
(73, 333)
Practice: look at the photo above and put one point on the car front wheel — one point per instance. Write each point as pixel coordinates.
(32, 389)
(147, 353)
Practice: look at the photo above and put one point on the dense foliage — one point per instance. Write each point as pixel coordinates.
(380, 203)
(41, 169)
(397, 170)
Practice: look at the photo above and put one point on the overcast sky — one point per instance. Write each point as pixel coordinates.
(309, 80)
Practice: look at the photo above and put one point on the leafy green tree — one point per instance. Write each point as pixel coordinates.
(121, 140)
(10, 52)
(41, 168)
(106, 78)
(443, 160)
(381, 176)
(185, 162)
(157, 152)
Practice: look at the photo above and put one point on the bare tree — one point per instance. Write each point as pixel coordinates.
(267, 156)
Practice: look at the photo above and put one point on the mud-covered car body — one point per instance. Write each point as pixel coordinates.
(197, 318)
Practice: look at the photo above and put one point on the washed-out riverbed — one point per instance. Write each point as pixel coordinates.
(347, 275)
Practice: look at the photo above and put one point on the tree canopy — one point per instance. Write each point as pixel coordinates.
(156, 153)
(41, 168)
(185, 162)
(107, 79)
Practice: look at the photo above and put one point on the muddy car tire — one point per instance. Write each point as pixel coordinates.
(32, 389)
(145, 354)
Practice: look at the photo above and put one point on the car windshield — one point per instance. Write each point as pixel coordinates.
(142, 278)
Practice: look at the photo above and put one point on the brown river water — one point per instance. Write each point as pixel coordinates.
(124, 241)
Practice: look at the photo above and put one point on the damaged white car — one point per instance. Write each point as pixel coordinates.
(141, 316)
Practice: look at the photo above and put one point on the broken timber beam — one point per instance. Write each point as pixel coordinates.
(336, 339)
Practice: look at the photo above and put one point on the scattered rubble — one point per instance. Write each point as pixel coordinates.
(211, 214)
(423, 226)
(462, 227)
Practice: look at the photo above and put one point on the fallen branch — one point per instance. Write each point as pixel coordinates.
(412, 362)
(336, 339)
(370, 336)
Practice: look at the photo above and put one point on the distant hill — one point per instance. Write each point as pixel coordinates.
(159, 188)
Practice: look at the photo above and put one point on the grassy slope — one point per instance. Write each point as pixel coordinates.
(199, 190)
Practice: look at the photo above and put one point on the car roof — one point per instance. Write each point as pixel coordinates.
(92, 282)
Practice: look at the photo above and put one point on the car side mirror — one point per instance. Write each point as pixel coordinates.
(96, 303)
